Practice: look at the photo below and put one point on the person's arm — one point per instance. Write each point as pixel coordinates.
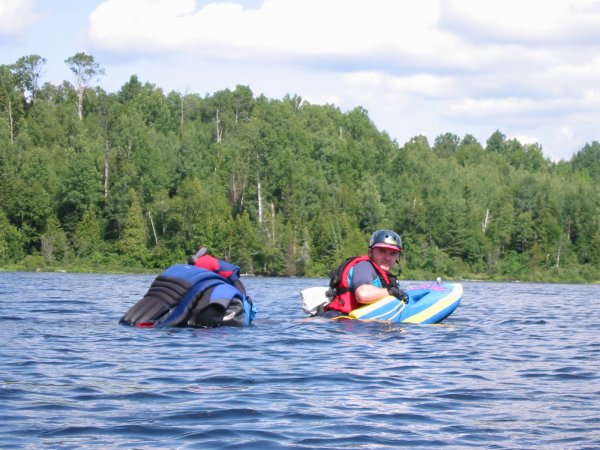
(367, 293)
(363, 277)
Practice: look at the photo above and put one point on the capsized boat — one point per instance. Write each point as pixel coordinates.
(192, 295)
(429, 302)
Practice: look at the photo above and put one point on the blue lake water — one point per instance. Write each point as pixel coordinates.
(516, 366)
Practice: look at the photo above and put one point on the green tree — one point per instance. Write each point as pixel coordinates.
(81, 187)
(88, 235)
(54, 244)
(28, 70)
(11, 241)
(11, 103)
(495, 143)
(85, 69)
(279, 186)
(588, 160)
(133, 241)
(27, 204)
(446, 144)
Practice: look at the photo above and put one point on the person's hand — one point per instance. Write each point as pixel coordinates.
(398, 293)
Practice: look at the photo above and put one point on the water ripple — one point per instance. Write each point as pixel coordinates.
(498, 374)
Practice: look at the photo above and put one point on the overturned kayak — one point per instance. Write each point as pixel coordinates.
(186, 295)
(427, 303)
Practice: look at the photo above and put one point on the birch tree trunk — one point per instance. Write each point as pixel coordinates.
(11, 127)
(219, 128)
(85, 69)
(181, 106)
(486, 221)
(272, 222)
(153, 227)
(260, 205)
(80, 92)
(106, 167)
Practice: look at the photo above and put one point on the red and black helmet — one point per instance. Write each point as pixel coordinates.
(386, 239)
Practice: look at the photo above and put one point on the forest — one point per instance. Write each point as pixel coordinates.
(136, 180)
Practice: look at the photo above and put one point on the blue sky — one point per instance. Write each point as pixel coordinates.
(529, 68)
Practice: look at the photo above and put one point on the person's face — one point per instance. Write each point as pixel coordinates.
(385, 257)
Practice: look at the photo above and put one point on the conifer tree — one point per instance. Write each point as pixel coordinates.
(134, 237)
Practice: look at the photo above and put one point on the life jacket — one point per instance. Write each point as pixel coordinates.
(223, 268)
(343, 296)
(186, 295)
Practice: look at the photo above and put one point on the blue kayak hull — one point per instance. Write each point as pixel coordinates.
(428, 303)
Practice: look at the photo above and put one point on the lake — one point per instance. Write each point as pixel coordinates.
(516, 366)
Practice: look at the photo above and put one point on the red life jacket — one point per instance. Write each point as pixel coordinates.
(223, 268)
(345, 298)
(213, 264)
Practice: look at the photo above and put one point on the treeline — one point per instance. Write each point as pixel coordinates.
(138, 179)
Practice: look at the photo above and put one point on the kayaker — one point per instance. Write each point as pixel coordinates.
(365, 279)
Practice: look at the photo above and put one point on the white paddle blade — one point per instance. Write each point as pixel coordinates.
(314, 299)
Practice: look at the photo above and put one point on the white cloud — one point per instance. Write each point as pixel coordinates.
(524, 21)
(323, 99)
(506, 107)
(525, 139)
(16, 16)
(378, 30)
(393, 91)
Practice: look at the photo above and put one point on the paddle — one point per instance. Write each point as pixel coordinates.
(314, 299)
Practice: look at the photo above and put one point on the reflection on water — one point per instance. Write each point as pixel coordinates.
(516, 366)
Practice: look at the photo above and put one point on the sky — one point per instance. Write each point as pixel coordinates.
(527, 68)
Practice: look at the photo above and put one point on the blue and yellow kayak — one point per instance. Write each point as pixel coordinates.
(428, 303)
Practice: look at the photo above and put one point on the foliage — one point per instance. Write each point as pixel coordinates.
(133, 242)
(11, 241)
(138, 179)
